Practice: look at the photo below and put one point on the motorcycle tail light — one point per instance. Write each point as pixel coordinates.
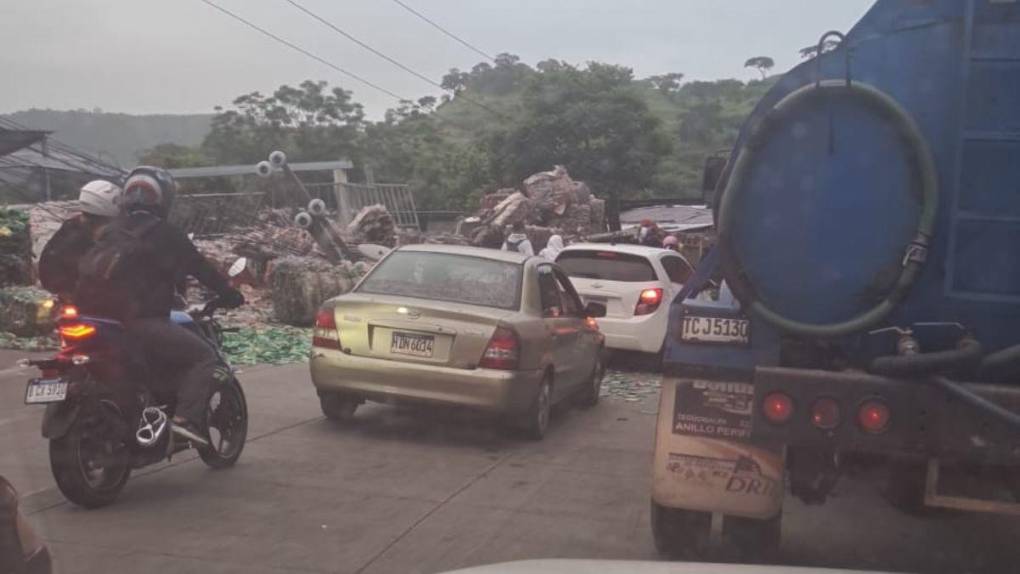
(77, 331)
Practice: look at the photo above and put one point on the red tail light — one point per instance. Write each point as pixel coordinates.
(648, 301)
(873, 416)
(77, 331)
(825, 413)
(503, 351)
(777, 407)
(325, 334)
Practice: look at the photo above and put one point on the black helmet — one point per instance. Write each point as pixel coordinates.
(150, 189)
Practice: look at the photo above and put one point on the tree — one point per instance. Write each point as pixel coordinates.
(763, 63)
(311, 122)
(667, 83)
(592, 120)
(455, 80)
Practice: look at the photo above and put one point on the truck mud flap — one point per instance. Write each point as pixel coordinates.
(58, 418)
(703, 458)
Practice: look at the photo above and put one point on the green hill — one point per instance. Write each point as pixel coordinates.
(118, 136)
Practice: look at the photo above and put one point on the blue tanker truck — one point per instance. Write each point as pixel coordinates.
(868, 224)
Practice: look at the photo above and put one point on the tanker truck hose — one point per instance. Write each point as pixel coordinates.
(966, 354)
(915, 253)
(972, 399)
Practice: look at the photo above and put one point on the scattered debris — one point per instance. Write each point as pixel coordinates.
(631, 387)
(26, 311)
(274, 345)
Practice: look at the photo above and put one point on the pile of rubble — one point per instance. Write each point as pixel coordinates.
(548, 202)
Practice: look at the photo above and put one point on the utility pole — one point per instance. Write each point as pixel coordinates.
(45, 170)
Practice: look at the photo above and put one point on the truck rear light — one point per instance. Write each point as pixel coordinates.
(648, 301)
(777, 407)
(325, 333)
(874, 416)
(825, 413)
(503, 351)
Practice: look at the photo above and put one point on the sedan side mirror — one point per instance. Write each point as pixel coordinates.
(595, 310)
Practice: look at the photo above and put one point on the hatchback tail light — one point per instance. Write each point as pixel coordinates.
(325, 334)
(503, 351)
(648, 301)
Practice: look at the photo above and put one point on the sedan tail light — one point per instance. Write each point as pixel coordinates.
(503, 351)
(325, 334)
(648, 301)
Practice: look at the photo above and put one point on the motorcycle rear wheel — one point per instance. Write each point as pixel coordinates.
(89, 470)
(227, 417)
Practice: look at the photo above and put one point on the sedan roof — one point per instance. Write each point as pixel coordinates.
(494, 254)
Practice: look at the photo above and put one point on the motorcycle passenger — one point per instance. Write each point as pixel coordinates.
(58, 263)
(131, 276)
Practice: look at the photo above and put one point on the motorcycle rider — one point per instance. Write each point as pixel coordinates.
(58, 263)
(131, 276)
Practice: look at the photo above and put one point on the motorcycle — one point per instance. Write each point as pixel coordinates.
(101, 424)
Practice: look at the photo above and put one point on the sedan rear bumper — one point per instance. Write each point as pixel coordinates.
(385, 380)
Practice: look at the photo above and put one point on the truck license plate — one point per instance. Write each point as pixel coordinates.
(45, 391)
(412, 344)
(716, 330)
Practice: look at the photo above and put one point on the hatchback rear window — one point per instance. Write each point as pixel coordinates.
(446, 277)
(606, 265)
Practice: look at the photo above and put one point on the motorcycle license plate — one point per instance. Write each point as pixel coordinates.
(45, 391)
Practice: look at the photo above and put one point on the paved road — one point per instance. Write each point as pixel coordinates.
(420, 491)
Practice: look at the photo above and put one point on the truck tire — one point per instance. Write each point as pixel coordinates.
(752, 540)
(338, 407)
(681, 534)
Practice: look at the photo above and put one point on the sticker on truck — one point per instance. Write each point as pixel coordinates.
(742, 475)
(713, 409)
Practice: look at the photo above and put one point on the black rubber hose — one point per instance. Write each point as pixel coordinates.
(914, 253)
(1000, 363)
(972, 399)
(966, 354)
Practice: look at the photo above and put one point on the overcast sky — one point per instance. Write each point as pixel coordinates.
(182, 56)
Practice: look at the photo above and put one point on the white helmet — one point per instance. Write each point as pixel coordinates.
(99, 197)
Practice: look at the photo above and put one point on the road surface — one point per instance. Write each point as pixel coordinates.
(420, 492)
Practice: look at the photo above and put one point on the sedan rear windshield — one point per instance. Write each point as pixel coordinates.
(447, 277)
(606, 265)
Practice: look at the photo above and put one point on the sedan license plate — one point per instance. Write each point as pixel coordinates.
(412, 344)
(716, 330)
(45, 391)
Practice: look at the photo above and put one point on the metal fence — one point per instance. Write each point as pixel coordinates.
(352, 197)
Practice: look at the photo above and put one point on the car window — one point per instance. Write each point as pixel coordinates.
(606, 265)
(446, 277)
(568, 296)
(552, 304)
(677, 268)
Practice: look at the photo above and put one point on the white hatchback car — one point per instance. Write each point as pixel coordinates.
(636, 284)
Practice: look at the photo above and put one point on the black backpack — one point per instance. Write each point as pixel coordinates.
(120, 246)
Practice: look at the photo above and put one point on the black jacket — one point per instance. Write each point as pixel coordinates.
(58, 263)
(146, 287)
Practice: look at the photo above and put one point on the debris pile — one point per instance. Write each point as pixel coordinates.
(374, 224)
(299, 285)
(549, 202)
(26, 311)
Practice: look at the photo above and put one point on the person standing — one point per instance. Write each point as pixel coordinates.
(552, 248)
(518, 240)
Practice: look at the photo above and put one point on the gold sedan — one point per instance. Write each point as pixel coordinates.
(492, 330)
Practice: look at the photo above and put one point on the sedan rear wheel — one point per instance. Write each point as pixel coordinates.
(536, 421)
(589, 396)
